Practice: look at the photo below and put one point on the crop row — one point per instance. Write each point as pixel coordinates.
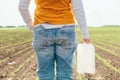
(107, 50)
(11, 36)
(13, 54)
(110, 43)
(110, 54)
(103, 60)
(21, 65)
(15, 63)
(13, 45)
(107, 45)
(107, 64)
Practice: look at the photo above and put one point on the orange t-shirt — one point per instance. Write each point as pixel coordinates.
(53, 12)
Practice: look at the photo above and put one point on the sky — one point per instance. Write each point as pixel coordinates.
(98, 12)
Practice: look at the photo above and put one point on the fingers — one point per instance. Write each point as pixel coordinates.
(86, 40)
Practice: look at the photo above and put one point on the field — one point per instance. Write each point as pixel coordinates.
(17, 60)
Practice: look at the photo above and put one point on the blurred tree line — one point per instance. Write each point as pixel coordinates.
(12, 26)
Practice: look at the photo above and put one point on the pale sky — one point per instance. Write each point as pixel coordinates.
(98, 12)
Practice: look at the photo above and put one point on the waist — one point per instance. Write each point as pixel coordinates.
(51, 26)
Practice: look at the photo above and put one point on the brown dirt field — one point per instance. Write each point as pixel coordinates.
(112, 43)
(117, 51)
(22, 66)
(102, 73)
(8, 51)
(114, 60)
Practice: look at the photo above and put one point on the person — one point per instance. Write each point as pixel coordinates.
(54, 36)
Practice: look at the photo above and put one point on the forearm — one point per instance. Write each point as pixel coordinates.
(79, 14)
(24, 10)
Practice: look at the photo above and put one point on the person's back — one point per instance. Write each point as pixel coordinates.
(54, 36)
(53, 12)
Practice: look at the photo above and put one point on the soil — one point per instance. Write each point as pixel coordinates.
(19, 64)
(114, 60)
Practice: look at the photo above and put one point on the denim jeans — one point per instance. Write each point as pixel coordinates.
(54, 45)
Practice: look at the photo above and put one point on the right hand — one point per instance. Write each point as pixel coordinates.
(86, 40)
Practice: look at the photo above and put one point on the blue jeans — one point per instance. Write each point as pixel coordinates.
(54, 45)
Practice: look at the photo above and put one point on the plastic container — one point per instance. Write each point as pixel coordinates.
(86, 58)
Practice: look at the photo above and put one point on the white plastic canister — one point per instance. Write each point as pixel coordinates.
(85, 58)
